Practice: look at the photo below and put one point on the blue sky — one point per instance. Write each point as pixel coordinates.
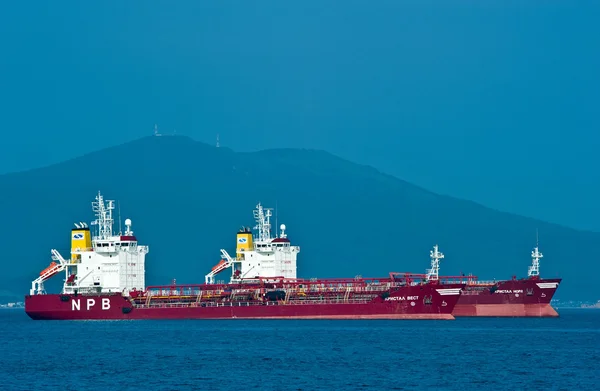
(493, 102)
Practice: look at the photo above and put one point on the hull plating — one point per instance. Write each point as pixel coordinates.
(505, 310)
(512, 298)
(116, 307)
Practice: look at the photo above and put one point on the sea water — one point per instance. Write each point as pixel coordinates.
(467, 353)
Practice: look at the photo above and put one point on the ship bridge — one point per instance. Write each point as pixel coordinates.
(101, 262)
(260, 255)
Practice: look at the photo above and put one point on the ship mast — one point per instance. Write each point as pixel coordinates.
(262, 217)
(104, 218)
(435, 255)
(536, 255)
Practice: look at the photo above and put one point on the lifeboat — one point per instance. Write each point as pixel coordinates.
(53, 264)
(221, 262)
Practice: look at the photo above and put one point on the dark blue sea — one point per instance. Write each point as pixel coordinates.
(468, 353)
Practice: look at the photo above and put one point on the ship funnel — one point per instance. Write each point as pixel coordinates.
(244, 241)
(81, 239)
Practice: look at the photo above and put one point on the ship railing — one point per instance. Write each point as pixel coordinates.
(85, 291)
(283, 284)
(182, 292)
(378, 288)
(106, 249)
(455, 281)
(488, 282)
(194, 304)
(339, 300)
(466, 292)
(207, 291)
(463, 279)
(323, 282)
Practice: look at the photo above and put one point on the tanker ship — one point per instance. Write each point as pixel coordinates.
(104, 279)
(526, 297)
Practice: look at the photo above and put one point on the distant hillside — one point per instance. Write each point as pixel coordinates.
(188, 199)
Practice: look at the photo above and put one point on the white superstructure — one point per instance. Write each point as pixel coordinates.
(260, 255)
(101, 263)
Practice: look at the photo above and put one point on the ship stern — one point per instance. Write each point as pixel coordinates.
(77, 307)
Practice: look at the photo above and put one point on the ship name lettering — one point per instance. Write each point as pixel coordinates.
(401, 298)
(90, 303)
(509, 291)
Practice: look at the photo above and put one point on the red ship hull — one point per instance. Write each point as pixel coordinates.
(413, 302)
(511, 298)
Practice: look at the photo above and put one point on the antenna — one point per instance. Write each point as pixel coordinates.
(119, 205)
(129, 232)
(104, 217)
(276, 226)
(282, 227)
(262, 215)
(536, 255)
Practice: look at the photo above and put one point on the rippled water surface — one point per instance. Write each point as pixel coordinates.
(506, 354)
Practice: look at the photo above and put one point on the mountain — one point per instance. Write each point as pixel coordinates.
(188, 199)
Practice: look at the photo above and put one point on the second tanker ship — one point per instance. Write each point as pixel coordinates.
(105, 279)
(526, 297)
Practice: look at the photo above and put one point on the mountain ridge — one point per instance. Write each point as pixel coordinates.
(425, 190)
(135, 142)
(349, 219)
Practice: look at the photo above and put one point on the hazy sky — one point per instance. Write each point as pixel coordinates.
(493, 102)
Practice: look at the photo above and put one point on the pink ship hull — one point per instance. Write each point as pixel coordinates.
(512, 298)
(505, 310)
(406, 303)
